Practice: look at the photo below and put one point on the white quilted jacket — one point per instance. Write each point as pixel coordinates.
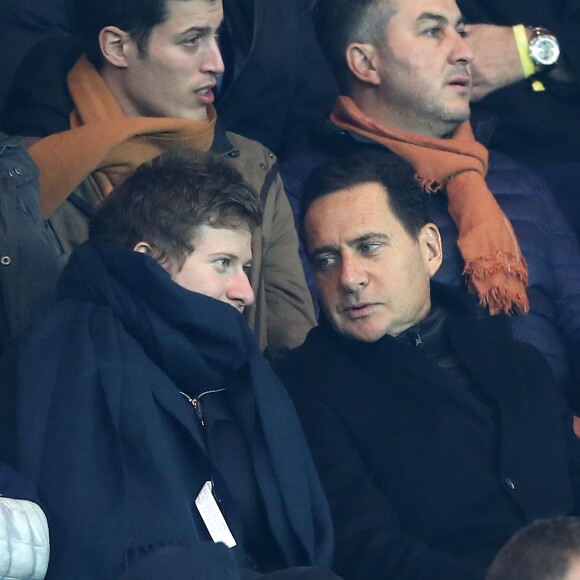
(24, 546)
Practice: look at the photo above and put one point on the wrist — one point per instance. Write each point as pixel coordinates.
(521, 36)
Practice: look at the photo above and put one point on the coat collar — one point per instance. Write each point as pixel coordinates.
(221, 143)
(484, 346)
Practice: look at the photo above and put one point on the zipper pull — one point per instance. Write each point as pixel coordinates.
(418, 341)
(197, 407)
(196, 404)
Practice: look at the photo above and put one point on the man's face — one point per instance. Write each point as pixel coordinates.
(574, 570)
(424, 68)
(218, 266)
(372, 276)
(177, 74)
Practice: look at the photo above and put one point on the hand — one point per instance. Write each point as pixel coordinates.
(496, 63)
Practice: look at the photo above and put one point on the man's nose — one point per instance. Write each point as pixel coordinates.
(352, 274)
(461, 51)
(213, 61)
(240, 290)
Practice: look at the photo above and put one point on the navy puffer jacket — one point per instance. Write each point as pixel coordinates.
(547, 242)
(553, 257)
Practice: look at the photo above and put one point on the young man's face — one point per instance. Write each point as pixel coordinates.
(218, 266)
(424, 67)
(177, 74)
(372, 276)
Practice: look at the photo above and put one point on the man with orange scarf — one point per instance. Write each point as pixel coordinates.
(404, 71)
(145, 85)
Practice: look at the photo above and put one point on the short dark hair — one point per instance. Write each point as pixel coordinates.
(136, 17)
(541, 551)
(395, 175)
(166, 199)
(341, 22)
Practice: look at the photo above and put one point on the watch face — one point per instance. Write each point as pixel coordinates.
(544, 50)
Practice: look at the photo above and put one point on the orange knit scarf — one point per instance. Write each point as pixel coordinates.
(494, 266)
(104, 143)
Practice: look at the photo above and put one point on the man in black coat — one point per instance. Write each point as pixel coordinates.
(435, 433)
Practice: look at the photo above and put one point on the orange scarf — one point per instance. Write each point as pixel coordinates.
(494, 266)
(104, 142)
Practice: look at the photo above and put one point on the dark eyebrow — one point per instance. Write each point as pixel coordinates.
(368, 237)
(354, 242)
(200, 30)
(322, 250)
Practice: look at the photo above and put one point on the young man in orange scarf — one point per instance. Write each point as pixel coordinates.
(146, 85)
(404, 71)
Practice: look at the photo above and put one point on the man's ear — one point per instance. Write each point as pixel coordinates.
(167, 265)
(143, 248)
(431, 247)
(113, 42)
(362, 60)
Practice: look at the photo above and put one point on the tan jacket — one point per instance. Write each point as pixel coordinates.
(282, 313)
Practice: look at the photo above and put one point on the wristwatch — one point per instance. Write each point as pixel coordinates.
(543, 48)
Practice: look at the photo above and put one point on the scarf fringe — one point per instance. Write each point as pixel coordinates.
(499, 299)
(430, 185)
(508, 264)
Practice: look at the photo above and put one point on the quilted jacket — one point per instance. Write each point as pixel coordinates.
(547, 242)
(24, 543)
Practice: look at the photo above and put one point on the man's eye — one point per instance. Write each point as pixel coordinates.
(223, 263)
(462, 32)
(323, 262)
(434, 32)
(191, 42)
(369, 248)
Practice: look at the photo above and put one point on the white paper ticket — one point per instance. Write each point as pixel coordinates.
(212, 516)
